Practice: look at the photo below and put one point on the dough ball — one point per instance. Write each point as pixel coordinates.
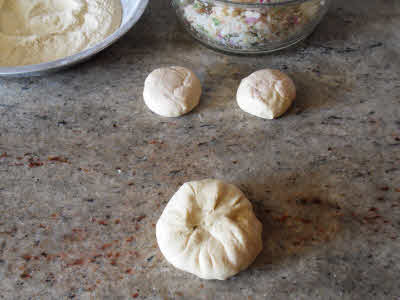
(266, 94)
(172, 91)
(208, 228)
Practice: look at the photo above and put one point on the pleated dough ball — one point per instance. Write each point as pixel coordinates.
(172, 91)
(266, 94)
(208, 228)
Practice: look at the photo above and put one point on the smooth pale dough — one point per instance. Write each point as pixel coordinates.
(266, 94)
(172, 91)
(208, 228)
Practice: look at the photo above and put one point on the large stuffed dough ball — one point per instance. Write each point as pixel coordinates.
(209, 229)
(266, 93)
(172, 91)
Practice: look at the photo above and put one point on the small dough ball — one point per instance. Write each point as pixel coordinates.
(172, 91)
(208, 228)
(266, 93)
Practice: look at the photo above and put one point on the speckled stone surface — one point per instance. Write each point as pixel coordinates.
(86, 168)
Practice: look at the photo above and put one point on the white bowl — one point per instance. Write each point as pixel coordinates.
(132, 11)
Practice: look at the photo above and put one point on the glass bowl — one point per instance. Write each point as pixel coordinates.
(250, 26)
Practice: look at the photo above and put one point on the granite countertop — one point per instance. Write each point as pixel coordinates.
(86, 169)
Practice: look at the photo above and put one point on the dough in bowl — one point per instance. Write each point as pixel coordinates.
(172, 91)
(209, 229)
(266, 94)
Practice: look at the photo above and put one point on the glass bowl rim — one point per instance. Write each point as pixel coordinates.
(246, 4)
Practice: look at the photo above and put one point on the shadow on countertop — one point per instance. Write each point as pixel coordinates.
(295, 221)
